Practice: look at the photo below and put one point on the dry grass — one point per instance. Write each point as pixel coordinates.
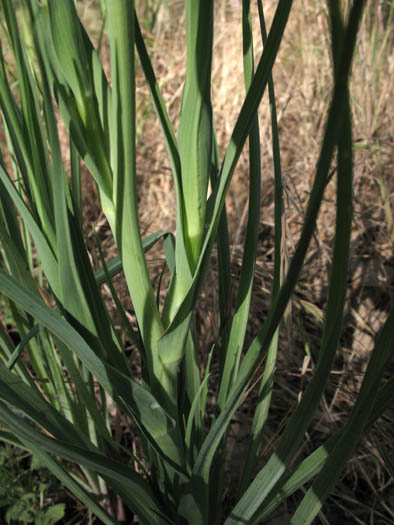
(302, 78)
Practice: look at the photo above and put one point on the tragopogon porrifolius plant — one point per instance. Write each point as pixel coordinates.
(56, 382)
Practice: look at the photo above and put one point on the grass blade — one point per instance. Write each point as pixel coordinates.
(161, 111)
(195, 125)
(70, 483)
(240, 320)
(74, 59)
(46, 254)
(266, 385)
(175, 335)
(358, 420)
(313, 464)
(153, 421)
(29, 133)
(21, 346)
(224, 256)
(83, 137)
(127, 232)
(114, 265)
(130, 486)
(303, 414)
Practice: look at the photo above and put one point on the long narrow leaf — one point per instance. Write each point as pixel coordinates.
(313, 464)
(47, 256)
(175, 335)
(361, 413)
(128, 484)
(127, 233)
(195, 125)
(239, 322)
(266, 385)
(137, 401)
(304, 412)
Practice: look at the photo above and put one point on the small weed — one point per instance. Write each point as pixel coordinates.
(27, 490)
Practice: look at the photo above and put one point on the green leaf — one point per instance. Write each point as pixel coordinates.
(27, 131)
(140, 404)
(313, 464)
(21, 346)
(195, 125)
(127, 230)
(303, 414)
(128, 484)
(52, 515)
(96, 107)
(235, 345)
(46, 254)
(114, 265)
(157, 99)
(267, 380)
(171, 344)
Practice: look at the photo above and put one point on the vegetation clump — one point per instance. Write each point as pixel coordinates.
(124, 410)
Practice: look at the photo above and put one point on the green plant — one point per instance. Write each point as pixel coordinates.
(54, 385)
(25, 492)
